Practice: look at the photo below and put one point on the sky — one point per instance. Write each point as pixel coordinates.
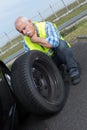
(11, 9)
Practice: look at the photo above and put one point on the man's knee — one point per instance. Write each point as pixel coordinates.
(62, 45)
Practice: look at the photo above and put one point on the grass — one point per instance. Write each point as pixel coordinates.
(15, 40)
(71, 15)
(77, 30)
(12, 51)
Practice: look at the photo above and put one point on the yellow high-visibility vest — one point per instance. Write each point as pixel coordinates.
(41, 26)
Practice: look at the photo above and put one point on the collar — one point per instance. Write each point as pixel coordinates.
(36, 29)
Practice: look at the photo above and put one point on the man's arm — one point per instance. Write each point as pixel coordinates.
(53, 34)
(52, 39)
(41, 41)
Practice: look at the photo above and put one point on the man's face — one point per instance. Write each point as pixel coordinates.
(26, 28)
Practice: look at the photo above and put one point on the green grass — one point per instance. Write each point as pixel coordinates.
(15, 40)
(77, 30)
(71, 15)
(12, 51)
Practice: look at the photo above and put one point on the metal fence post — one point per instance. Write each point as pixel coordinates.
(53, 10)
(41, 16)
(8, 38)
(65, 5)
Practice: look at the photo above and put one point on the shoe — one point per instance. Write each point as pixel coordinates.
(76, 79)
(74, 75)
(63, 72)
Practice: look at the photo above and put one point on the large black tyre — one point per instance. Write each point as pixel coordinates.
(37, 83)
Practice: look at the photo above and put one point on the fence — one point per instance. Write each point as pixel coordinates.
(54, 8)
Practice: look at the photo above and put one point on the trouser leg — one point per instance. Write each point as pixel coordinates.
(64, 52)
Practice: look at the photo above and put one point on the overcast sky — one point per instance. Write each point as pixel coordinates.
(11, 9)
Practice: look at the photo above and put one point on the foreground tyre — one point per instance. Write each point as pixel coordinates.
(37, 83)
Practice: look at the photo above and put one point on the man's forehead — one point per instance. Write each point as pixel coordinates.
(19, 26)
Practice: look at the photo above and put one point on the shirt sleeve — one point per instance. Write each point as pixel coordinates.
(26, 47)
(52, 34)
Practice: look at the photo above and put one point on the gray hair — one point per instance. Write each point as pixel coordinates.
(21, 19)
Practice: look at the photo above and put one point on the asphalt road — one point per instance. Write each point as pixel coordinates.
(74, 114)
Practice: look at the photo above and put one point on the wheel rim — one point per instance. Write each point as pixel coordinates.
(46, 82)
(40, 81)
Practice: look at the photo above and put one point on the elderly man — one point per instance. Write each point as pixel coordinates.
(44, 36)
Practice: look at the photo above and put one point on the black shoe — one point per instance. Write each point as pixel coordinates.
(74, 75)
(76, 79)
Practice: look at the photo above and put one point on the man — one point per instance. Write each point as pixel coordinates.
(45, 37)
